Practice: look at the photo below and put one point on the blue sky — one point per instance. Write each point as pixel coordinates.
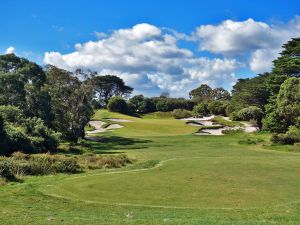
(214, 41)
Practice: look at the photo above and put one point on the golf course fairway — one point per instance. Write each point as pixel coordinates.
(176, 178)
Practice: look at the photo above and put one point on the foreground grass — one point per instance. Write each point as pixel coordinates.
(178, 179)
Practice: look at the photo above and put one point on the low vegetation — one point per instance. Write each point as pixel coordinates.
(17, 166)
(181, 113)
(224, 122)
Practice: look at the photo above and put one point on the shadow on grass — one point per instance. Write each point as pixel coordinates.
(106, 145)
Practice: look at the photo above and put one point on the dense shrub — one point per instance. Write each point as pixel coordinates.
(92, 161)
(275, 123)
(250, 113)
(40, 164)
(117, 104)
(181, 113)
(140, 104)
(290, 137)
(165, 104)
(31, 136)
(201, 109)
(11, 113)
(284, 111)
(7, 169)
(217, 107)
(20, 164)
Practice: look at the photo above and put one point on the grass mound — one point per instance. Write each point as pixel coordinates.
(226, 123)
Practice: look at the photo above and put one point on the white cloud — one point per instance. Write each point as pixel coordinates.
(10, 50)
(261, 59)
(100, 35)
(146, 57)
(259, 41)
(233, 37)
(150, 58)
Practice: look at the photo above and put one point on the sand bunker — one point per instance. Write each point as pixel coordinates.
(114, 126)
(99, 129)
(249, 128)
(206, 121)
(98, 125)
(205, 118)
(211, 131)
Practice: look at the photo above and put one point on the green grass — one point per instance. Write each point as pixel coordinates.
(178, 178)
(158, 115)
(147, 126)
(89, 128)
(220, 120)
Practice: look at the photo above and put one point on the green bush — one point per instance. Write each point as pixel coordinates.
(7, 169)
(290, 137)
(217, 107)
(117, 104)
(21, 164)
(250, 113)
(181, 113)
(140, 104)
(201, 109)
(165, 104)
(233, 131)
(31, 136)
(11, 113)
(92, 161)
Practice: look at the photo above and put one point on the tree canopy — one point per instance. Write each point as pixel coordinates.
(107, 86)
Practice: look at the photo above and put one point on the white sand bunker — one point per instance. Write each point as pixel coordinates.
(114, 126)
(249, 128)
(206, 121)
(205, 118)
(98, 127)
(121, 120)
(211, 131)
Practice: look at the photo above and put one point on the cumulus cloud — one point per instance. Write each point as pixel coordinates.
(150, 58)
(10, 50)
(261, 59)
(260, 41)
(146, 57)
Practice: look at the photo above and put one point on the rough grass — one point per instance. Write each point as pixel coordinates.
(177, 179)
(89, 128)
(226, 123)
(158, 115)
